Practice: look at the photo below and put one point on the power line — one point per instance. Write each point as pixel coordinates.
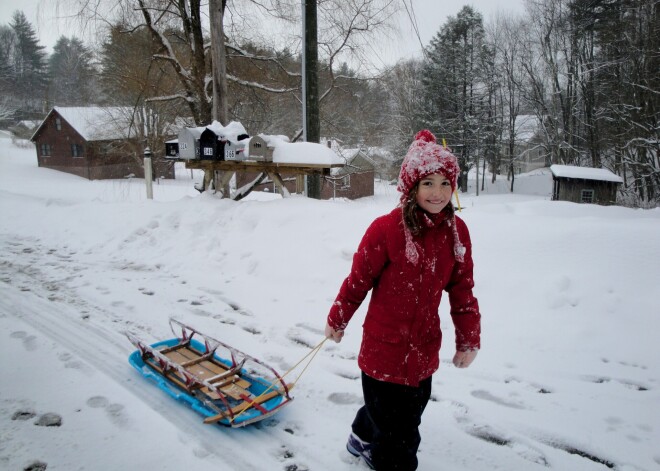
(413, 22)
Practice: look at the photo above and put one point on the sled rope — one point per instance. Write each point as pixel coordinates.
(312, 352)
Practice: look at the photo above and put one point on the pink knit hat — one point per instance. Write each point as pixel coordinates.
(426, 157)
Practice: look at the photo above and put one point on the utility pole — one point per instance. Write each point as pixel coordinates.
(311, 122)
(219, 62)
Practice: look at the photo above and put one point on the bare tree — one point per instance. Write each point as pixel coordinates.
(504, 37)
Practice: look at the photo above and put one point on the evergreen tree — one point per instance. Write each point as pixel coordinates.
(29, 66)
(71, 73)
(454, 85)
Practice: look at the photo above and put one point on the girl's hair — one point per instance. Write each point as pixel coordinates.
(409, 207)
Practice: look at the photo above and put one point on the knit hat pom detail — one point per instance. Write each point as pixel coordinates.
(426, 136)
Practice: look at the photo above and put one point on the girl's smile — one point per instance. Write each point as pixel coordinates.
(433, 193)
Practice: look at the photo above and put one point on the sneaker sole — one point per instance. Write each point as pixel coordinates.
(352, 450)
(357, 454)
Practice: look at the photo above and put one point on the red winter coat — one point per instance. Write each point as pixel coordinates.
(401, 337)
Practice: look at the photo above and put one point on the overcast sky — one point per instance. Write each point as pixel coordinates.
(50, 22)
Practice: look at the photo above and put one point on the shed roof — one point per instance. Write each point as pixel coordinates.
(97, 123)
(584, 173)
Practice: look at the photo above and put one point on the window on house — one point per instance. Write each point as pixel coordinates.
(45, 150)
(76, 150)
(58, 124)
(346, 182)
(587, 196)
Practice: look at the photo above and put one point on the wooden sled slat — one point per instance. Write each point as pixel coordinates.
(241, 407)
(203, 367)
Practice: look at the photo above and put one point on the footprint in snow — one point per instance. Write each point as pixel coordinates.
(115, 412)
(519, 447)
(117, 415)
(313, 329)
(36, 466)
(97, 402)
(29, 341)
(344, 398)
(628, 384)
(560, 445)
(487, 396)
(533, 386)
(252, 330)
(625, 363)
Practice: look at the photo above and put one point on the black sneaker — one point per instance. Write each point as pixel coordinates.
(358, 447)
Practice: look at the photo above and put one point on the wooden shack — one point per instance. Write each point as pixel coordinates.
(584, 184)
(352, 181)
(93, 142)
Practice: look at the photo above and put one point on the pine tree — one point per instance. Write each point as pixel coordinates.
(71, 73)
(29, 65)
(453, 83)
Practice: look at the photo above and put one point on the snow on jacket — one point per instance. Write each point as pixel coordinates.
(401, 332)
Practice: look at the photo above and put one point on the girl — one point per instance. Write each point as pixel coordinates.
(408, 257)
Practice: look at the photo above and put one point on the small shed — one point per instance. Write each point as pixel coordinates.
(353, 180)
(584, 184)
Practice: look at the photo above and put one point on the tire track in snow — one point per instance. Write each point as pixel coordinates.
(100, 349)
(97, 338)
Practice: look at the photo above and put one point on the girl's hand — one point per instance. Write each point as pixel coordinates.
(464, 359)
(333, 334)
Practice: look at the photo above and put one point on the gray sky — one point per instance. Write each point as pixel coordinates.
(50, 22)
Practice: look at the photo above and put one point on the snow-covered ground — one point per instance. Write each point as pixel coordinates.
(568, 377)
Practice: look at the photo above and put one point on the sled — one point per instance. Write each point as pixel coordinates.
(225, 385)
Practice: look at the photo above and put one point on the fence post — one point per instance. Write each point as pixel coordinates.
(147, 173)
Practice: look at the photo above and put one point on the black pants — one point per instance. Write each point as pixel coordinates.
(389, 420)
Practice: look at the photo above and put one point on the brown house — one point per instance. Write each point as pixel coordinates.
(353, 180)
(584, 184)
(92, 142)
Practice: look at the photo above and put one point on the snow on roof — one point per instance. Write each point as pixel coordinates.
(29, 123)
(99, 123)
(285, 152)
(585, 173)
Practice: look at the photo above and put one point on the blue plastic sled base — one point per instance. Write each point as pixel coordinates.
(257, 387)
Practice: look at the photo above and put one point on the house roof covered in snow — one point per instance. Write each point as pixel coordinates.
(584, 173)
(97, 123)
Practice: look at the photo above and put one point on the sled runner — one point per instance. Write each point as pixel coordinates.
(222, 383)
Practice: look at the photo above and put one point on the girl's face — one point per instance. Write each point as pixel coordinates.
(433, 193)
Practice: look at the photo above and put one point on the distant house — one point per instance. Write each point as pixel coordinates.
(25, 128)
(92, 142)
(584, 184)
(529, 152)
(354, 180)
(277, 149)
